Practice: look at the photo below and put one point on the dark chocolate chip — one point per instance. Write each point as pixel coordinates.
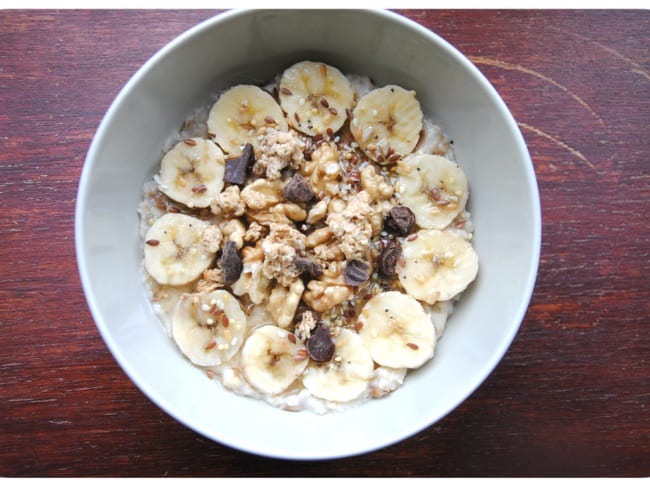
(237, 168)
(298, 190)
(231, 263)
(356, 272)
(400, 220)
(387, 260)
(308, 268)
(319, 345)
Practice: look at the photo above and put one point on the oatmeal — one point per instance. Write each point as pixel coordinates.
(305, 242)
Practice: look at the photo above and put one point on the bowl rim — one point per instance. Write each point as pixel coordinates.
(82, 265)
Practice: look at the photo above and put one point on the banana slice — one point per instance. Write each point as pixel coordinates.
(272, 359)
(433, 187)
(387, 122)
(239, 114)
(347, 375)
(439, 312)
(397, 331)
(209, 328)
(192, 172)
(437, 265)
(173, 250)
(315, 97)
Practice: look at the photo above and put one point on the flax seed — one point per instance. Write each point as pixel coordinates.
(153, 242)
(286, 91)
(190, 142)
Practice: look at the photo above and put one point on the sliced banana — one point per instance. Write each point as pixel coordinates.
(173, 249)
(315, 97)
(192, 172)
(209, 328)
(239, 114)
(272, 359)
(347, 375)
(387, 122)
(437, 265)
(433, 187)
(439, 312)
(397, 331)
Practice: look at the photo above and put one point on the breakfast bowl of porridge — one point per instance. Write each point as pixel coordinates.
(329, 244)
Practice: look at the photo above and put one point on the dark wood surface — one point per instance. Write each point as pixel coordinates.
(571, 396)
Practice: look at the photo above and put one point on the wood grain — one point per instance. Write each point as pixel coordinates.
(569, 398)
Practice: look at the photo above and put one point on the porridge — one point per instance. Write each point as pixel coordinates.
(304, 242)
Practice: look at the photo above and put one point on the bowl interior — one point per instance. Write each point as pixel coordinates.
(252, 47)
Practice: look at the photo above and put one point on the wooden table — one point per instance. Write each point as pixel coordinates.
(571, 397)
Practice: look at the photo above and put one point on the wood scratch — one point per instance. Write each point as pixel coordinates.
(575, 152)
(523, 69)
(636, 67)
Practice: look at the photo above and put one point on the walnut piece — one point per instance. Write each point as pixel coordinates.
(284, 301)
(233, 230)
(252, 280)
(323, 170)
(261, 194)
(322, 296)
(377, 186)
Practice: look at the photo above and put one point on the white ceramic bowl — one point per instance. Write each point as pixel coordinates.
(252, 46)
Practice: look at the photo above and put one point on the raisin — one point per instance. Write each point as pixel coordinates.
(387, 260)
(319, 345)
(400, 220)
(308, 268)
(356, 272)
(231, 263)
(237, 168)
(298, 190)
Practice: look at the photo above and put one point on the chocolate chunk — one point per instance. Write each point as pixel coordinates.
(231, 263)
(298, 190)
(387, 260)
(356, 272)
(400, 220)
(237, 168)
(319, 345)
(308, 268)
